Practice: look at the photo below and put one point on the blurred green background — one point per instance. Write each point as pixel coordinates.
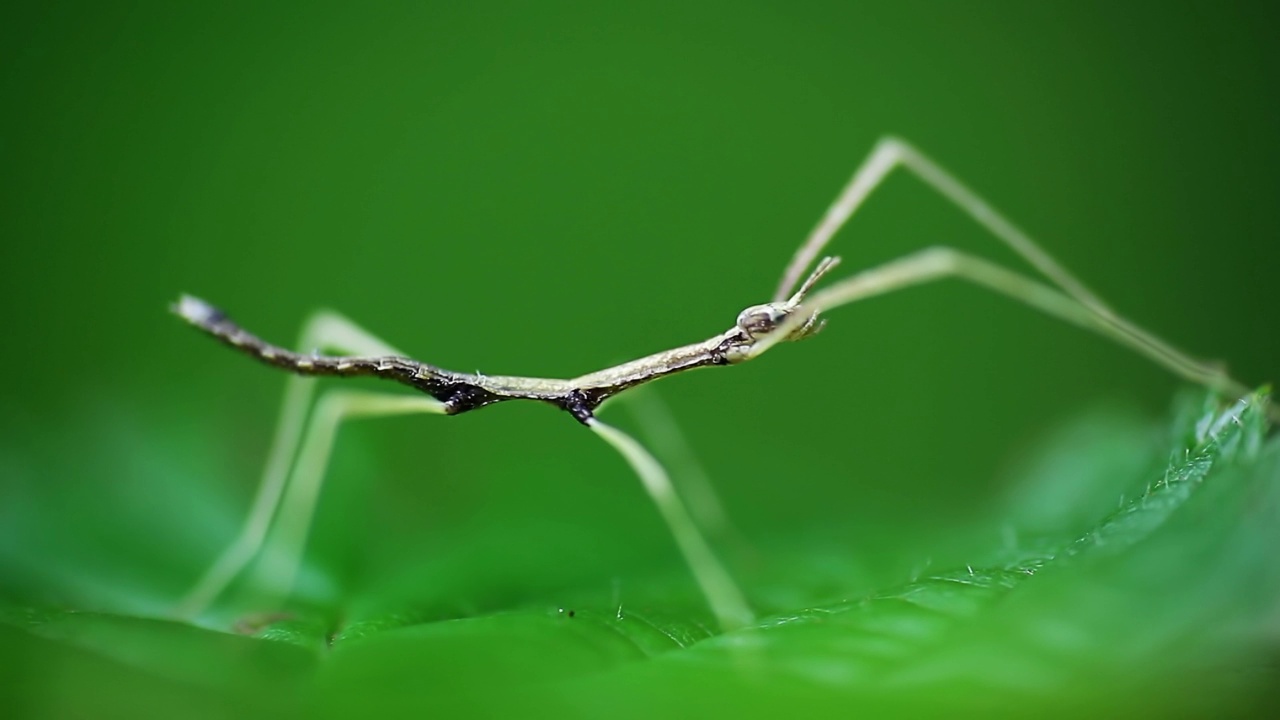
(547, 189)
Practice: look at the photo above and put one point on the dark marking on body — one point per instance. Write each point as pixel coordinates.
(579, 405)
(462, 396)
(460, 392)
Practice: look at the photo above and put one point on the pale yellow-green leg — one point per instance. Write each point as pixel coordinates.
(326, 332)
(722, 593)
(1088, 309)
(941, 262)
(660, 428)
(890, 153)
(278, 568)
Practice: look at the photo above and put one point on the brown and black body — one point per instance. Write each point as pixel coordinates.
(460, 392)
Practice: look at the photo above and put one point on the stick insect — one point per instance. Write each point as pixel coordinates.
(302, 443)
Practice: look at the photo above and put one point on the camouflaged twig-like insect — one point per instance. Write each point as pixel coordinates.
(303, 440)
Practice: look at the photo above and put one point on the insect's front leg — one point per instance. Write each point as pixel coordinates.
(937, 263)
(890, 153)
(1068, 298)
(325, 332)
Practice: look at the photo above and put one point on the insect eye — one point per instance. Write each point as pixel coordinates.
(760, 320)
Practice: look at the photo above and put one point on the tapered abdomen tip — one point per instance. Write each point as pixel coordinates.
(196, 311)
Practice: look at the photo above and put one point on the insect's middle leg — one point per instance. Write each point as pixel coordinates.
(659, 426)
(325, 332)
(722, 593)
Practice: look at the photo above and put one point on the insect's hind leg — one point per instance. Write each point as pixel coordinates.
(279, 568)
(326, 331)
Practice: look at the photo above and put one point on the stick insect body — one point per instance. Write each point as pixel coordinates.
(286, 497)
(461, 392)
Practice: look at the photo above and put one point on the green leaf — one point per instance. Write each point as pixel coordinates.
(1165, 601)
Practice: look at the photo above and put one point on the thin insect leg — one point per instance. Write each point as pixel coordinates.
(942, 262)
(722, 593)
(326, 331)
(297, 396)
(890, 153)
(279, 567)
(660, 427)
